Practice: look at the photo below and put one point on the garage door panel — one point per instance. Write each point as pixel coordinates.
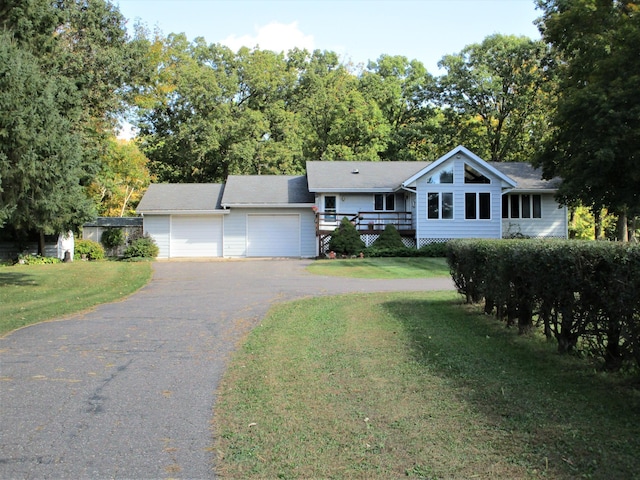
(196, 236)
(273, 236)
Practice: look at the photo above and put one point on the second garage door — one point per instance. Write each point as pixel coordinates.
(273, 235)
(196, 236)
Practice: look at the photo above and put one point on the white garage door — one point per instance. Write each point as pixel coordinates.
(196, 236)
(273, 236)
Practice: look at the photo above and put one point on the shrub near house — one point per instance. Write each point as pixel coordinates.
(346, 239)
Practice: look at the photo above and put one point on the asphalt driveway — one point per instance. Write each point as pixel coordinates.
(128, 389)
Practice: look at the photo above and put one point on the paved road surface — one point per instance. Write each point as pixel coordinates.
(127, 390)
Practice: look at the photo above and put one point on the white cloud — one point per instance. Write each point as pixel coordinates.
(275, 36)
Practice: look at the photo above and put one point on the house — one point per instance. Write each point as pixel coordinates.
(457, 196)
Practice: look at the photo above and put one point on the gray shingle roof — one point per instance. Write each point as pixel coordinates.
(266, 190)
(372, 176)
(115, 222)
(181, 197)
(527, 177)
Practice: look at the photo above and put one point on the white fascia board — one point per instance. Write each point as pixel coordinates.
(459, 149)
(268, 205)
(533, 190)
(184, 212)
(355, 190)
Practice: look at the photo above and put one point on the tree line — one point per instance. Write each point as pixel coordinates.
(69, 71)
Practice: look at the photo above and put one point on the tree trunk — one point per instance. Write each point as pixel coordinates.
(622, 227)
(41, 244)
(597, 222)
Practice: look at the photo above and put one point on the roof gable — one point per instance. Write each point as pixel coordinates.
(178, 197)
(471, 158)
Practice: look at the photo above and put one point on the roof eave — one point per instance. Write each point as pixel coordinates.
(186, 212)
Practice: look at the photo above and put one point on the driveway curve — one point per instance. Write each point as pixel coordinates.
(127, 390)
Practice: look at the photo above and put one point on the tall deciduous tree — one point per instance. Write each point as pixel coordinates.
(595, 146)
(405, 93)
(122, 179)
(495, 90)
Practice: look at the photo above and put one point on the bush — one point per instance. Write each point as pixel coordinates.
(92, 250)
(37, 260)
(143, 247)
(586, 295)
(112, 238)
(345, 240)
(389, 238)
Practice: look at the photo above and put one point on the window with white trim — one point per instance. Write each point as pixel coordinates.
(522, 206)
(477, 205)
(384, 202)
(440, 205)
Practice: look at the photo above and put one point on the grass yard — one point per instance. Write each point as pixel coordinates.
(33, 293)
(416, 385)
(415, 267)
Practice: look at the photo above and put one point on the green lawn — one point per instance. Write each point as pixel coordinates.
(416, 385)
(382, 267)
(33, 293)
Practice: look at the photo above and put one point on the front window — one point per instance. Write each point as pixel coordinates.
(330, 208)
(440, 206)
(477, 205)
(383, 201)
(521, 206)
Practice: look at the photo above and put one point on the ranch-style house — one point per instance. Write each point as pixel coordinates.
(457, 196)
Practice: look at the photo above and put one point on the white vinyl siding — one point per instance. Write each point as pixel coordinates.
(237, 229)
(553, 221)
(196, 236)
(158, 227)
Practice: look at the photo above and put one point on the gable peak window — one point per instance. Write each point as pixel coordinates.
(442, 175)
(471, 175)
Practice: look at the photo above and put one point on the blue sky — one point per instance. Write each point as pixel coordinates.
(359, 30)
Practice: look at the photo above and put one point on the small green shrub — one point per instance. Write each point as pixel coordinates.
(389, 238)
(92, 250)
(112, 238)
(143, 247)
(345, 240)
(37, 260)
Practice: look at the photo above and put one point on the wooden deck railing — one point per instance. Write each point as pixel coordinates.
(366, 221)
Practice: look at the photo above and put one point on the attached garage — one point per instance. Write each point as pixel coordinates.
(196, 236)
(273, 235)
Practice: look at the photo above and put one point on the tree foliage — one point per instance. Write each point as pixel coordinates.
(494, 94)
(65, 71)
(122, 179)
(595, 146)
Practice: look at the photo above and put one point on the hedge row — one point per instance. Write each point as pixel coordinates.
(580, 293)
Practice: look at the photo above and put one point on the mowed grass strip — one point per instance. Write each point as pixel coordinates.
(416, 385)
(34, 293)
(389, 268)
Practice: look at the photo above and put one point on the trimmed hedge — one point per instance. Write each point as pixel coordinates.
(579, 292)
